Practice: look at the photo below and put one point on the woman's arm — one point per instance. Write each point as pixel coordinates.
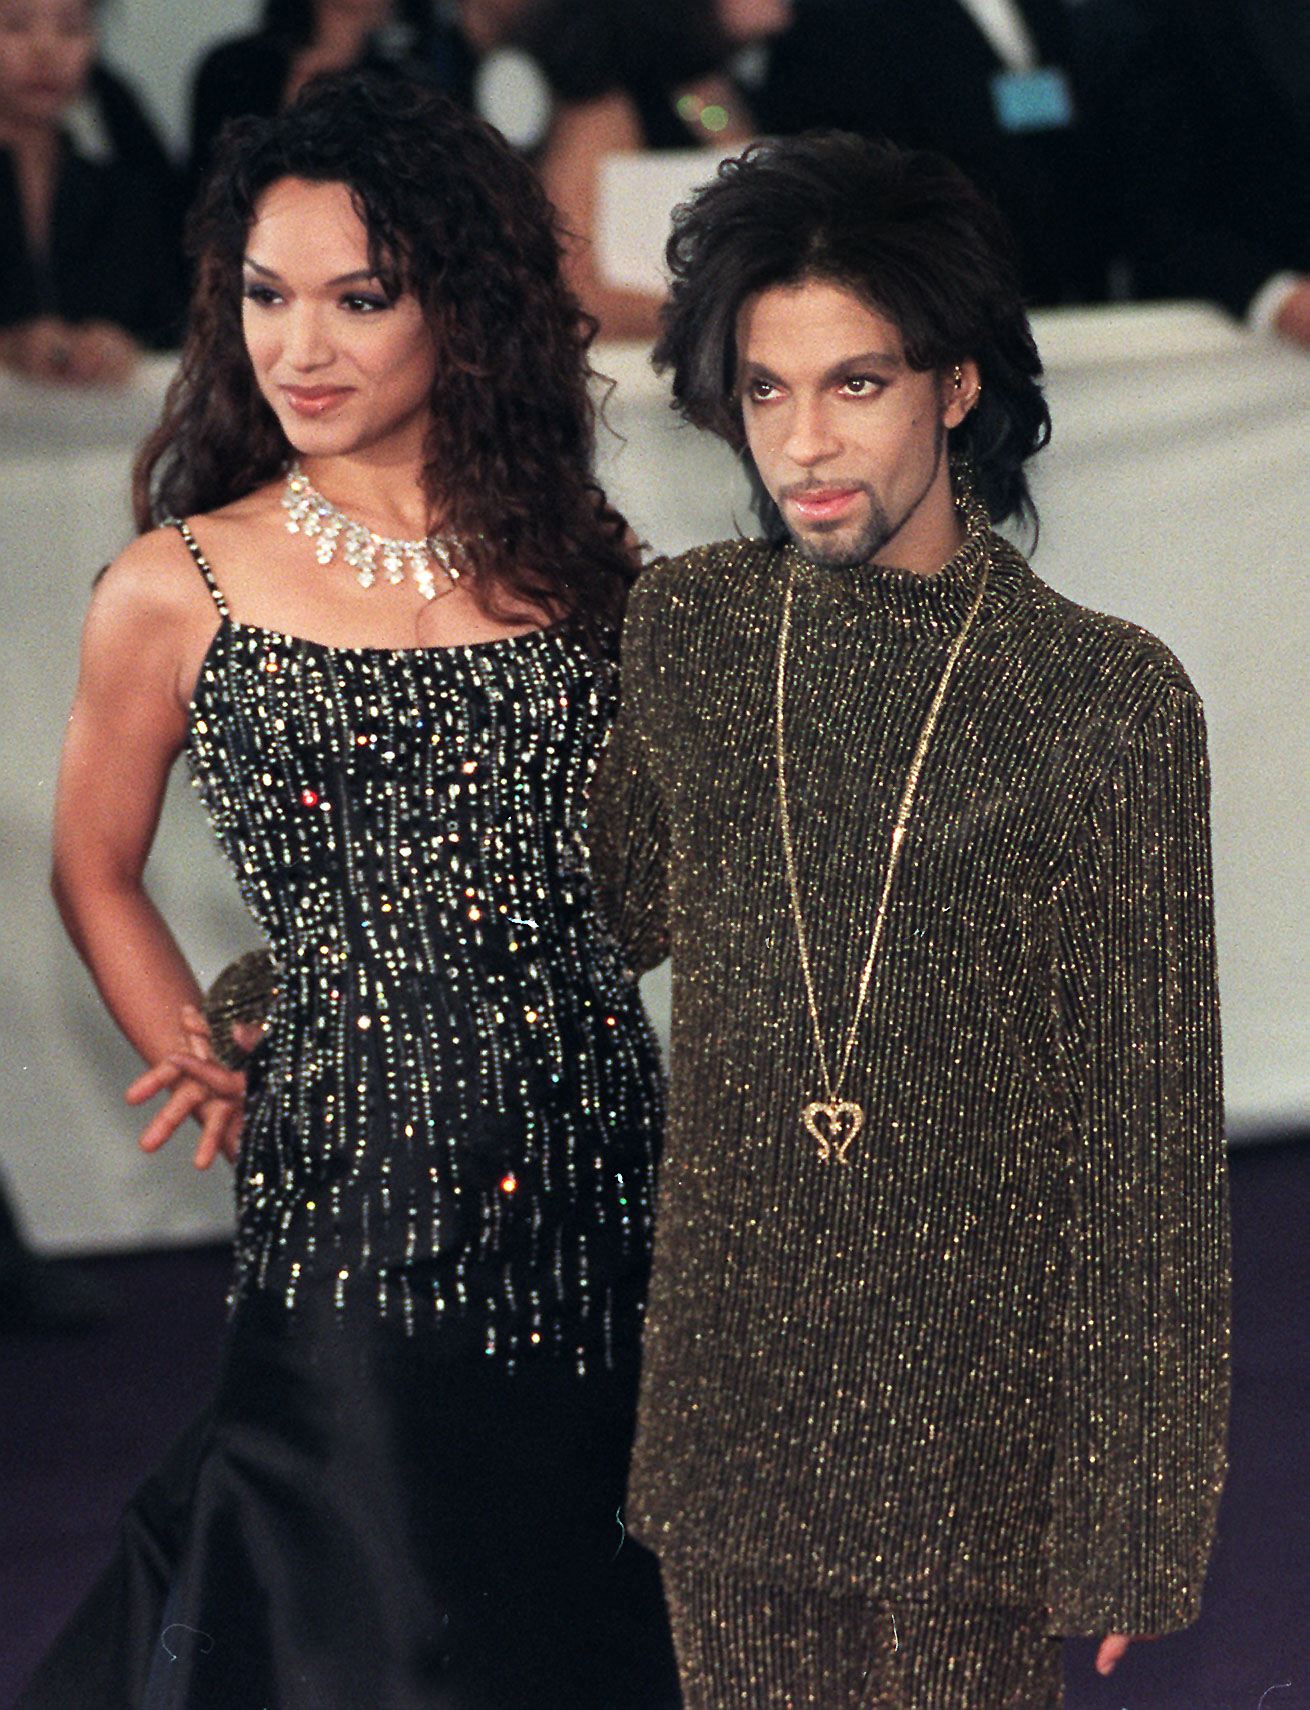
(144, 637)
(582, 135)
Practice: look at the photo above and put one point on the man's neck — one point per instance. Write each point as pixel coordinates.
(926, 557)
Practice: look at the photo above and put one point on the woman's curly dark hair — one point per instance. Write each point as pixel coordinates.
(456, 217)
(907, 232)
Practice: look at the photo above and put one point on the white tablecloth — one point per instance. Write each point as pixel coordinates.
(1176, 493)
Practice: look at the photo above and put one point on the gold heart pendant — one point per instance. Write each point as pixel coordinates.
(834, 1125)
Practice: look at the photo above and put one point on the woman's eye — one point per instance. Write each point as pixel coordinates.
(261, 294)
(364, 303)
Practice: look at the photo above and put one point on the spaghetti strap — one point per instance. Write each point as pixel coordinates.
(202, 564)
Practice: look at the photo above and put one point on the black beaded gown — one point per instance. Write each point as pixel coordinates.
(408, 1492)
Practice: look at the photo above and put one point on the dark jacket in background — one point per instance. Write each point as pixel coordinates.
(114, 248)
(247, 75)
(920, 72)
(1211, 125)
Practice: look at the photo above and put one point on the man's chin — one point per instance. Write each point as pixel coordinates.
(836, 551)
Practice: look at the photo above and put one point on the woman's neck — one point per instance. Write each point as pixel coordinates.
(388, 496)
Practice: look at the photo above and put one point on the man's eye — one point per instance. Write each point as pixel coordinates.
(761, 390)
(862, 385)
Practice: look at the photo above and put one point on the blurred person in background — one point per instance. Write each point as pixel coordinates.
(90, 269)
(630, 75)
(998, 85)
(1211, 125)
(262, 72)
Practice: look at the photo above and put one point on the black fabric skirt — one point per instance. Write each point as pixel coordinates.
(359, 1523)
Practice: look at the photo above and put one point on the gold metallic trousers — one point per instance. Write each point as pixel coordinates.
(743, 1646)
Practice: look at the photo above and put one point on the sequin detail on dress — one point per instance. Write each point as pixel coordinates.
(456, 1111)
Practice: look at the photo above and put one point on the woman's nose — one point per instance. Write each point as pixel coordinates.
(307, 342)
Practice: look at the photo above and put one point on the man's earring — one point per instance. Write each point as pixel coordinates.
(958, 377)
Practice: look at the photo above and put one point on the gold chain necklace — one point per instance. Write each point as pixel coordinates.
(834, 1121)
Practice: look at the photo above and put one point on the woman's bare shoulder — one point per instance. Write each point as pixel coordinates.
(155, 578)
(150, 616)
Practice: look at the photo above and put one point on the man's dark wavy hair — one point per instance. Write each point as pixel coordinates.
(910, 235)
(454, 215)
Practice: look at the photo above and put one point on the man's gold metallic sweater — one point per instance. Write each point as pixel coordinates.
(985, 1359)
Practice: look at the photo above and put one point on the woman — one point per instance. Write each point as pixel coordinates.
(643, 74)
(379, 629)
(89, 263)
(263, 72)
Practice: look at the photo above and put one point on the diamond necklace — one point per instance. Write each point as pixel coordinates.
(367, 552)
(834, 1121)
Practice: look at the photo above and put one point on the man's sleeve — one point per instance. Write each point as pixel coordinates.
(626, 824)
(1142, 1457)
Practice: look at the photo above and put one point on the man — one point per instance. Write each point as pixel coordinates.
(935, 1361)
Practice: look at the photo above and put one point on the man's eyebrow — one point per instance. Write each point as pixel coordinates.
(758, 371)
(360, 276)
(862, 359)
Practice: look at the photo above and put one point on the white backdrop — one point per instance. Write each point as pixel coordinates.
(1176, 493)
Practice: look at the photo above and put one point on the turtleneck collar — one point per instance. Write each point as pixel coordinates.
(908, 596)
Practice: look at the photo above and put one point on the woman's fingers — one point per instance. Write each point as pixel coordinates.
(152, 1081)
(213, 1128)
(165, 1123)
(198, 1038)
(202, 1088)
(167, 1073)
(226, 1083)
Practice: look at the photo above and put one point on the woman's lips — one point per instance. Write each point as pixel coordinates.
(314, 400)
(822, 504)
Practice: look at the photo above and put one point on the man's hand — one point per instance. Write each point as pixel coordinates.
(199, 1087)
(1113, 1647)
(1293, 319)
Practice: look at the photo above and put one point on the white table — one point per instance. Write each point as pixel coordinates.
(1176, 493)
